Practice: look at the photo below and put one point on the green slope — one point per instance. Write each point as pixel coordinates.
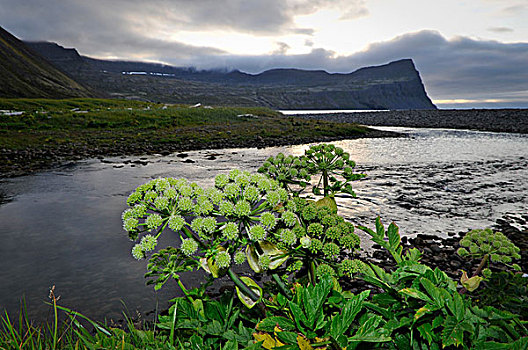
(24, 73)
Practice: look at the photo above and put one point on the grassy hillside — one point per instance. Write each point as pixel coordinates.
(24, 73)
(55, 130)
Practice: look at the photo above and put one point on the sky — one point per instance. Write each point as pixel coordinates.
(470, 54)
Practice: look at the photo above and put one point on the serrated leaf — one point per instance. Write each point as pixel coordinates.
(423, 311)
(269, 323)
(268, 342)
(380, 229)
(303, 343)
(452, 333)
(426, 332)
(287, 337)
(415, 293)
(341, 323)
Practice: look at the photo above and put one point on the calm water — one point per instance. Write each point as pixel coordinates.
(63, 227)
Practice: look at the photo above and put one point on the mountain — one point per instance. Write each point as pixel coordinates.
(24, 73)
(396, 85)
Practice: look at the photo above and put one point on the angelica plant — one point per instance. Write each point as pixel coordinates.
(335, 169)
(316, 238)
(215, 226)
(487, 246)
(290, 171)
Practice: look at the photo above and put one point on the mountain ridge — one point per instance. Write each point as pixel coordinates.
(395, 85)
(24, 73)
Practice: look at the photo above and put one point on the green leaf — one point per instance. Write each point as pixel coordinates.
(231, 345)
(269, 323)
(341, 323)
(380, 229)
(426, 331)
(394, 236)
(452, 333)
(433, 291)
(287, 337)
(457, 307)
(314, 298)
(415, 293)
(298, 315)
(370, 332)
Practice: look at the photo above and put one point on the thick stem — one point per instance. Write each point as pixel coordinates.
(311, 273)
(238, 282)
(481, 265)
(282, 286)
(325, 182)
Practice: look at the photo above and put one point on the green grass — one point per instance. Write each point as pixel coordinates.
(92, 127)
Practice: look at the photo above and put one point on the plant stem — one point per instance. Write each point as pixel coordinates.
(311, 273)
(481, 265)
(281, 285)
(238, 282)
(325, 182)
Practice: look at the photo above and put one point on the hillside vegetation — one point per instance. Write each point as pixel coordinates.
(24, 73)
(55, 130)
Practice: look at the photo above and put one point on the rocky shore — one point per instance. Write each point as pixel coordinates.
(17, 162)
(497, 120)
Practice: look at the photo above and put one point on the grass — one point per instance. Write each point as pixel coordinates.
(77, 332)
(69, 128)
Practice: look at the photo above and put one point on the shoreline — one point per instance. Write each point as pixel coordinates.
(31, 160)
(494, 120)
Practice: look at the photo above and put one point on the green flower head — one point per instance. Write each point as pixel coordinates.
(189, 247)
(268, 220)
(240, 257)
(223, 259)
(257, 233)
(221, 180)
(287, 237)
(230, 231)
(289, 218)
(154, 221)
(137, 252)
(325, 270)
(176, 222)
(226, 208)
(130, 224)
(242, 208)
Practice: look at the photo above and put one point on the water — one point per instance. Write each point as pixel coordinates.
(63, 228)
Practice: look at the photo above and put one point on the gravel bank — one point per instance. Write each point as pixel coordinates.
(498, 120)
(18, 162)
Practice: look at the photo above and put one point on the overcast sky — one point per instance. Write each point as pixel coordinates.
(469, 53)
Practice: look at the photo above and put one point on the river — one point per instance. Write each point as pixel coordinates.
(62, 227)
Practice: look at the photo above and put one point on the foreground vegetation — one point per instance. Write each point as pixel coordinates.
(283, 223)
(50, 131)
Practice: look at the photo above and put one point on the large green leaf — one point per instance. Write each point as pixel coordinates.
(415, 293)
(342, 322)
(314, 298)
(269, 323)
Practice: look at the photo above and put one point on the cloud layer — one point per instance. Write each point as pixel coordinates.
(460, 68)
(477, 71)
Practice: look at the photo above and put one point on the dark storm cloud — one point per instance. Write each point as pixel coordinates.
(461, 68)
